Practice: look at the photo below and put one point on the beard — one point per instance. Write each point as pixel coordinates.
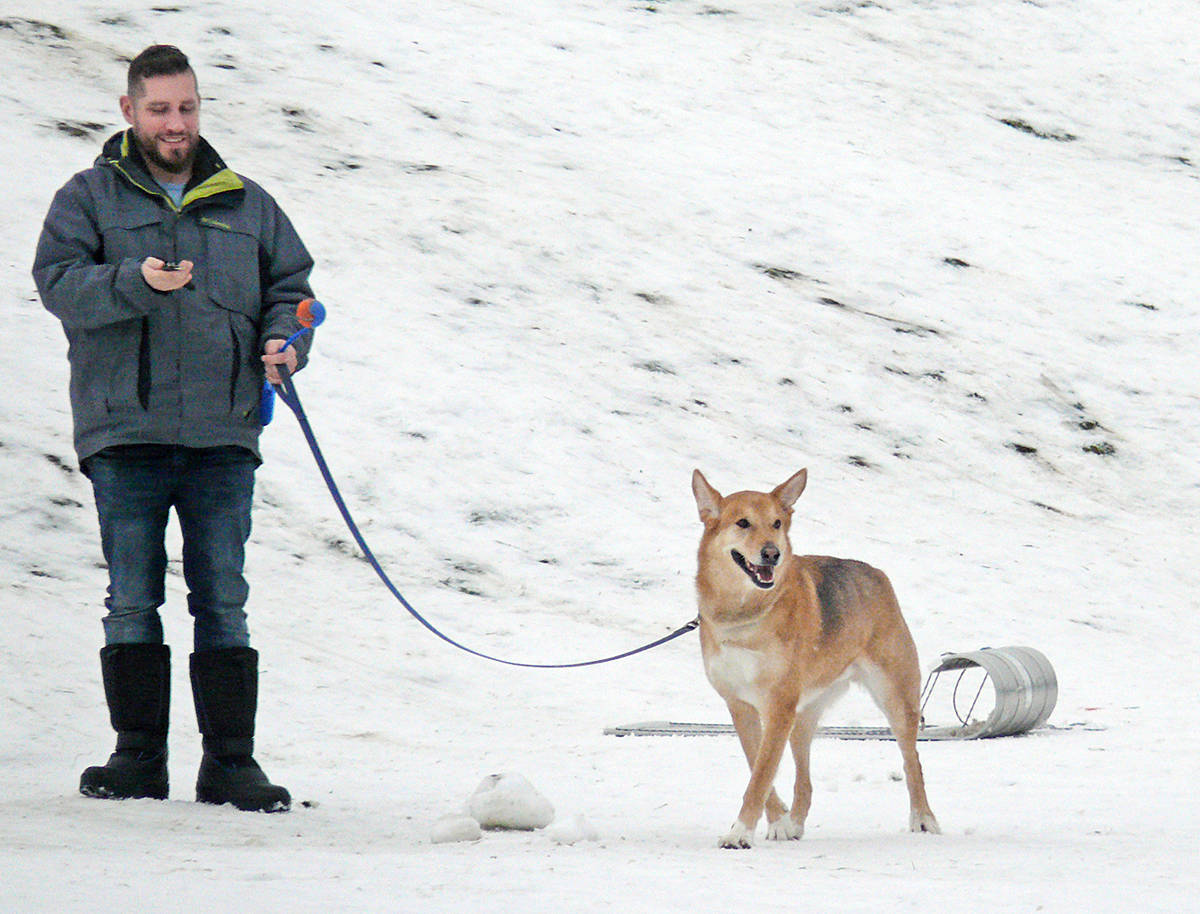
(178, 159)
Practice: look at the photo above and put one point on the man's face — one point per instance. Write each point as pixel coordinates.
(165, 115)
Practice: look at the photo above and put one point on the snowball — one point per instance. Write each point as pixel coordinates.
(455, 827)
(509, 801)
(577, 829)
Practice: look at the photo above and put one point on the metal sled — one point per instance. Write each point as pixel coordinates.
(1024, 683)
(1022, 679)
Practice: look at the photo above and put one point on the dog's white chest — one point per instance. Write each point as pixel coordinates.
(737, 671)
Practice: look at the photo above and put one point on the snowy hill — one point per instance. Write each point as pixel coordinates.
(941, 252)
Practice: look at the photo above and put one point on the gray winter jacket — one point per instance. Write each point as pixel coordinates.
(170, 368)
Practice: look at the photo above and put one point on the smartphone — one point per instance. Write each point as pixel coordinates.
(170, 266)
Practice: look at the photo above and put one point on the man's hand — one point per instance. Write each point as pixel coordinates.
(166, 280)
(274, 357)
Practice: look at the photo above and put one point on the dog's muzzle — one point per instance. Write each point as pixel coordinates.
(762, 575)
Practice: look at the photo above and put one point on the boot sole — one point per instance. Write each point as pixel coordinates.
(103, 793)
(276, 806)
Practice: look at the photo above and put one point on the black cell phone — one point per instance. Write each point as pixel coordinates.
(171, 266)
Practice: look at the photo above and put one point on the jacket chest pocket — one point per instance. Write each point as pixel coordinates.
(136, 236)
(231, 267)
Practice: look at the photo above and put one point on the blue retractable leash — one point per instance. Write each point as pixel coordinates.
(311, 313)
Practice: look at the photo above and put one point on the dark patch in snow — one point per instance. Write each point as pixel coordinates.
(1046, 507)
(337, 544)
(297, 119)
(78, 129)
(652, 298)
(477, 518)
(851, 8)
(783, 274)
(935, 374)
(900, 326)
(1025, 127)
(654, 367)
(35, 29)
(60, 463)
(461, 584)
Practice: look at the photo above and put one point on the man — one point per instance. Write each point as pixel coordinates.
(176, 282)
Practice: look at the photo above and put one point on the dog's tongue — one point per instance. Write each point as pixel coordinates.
(764, 573)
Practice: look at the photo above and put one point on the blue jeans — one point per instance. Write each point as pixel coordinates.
(211, 490)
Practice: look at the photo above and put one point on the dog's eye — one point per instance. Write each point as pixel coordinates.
(744, 524)
(778, 524)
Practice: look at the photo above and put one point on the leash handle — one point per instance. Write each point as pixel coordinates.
(310, 313)
(292, 399)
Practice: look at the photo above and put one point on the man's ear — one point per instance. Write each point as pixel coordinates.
(127, 108)
(708, 499)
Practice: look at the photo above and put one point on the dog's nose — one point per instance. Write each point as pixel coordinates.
(770, 554)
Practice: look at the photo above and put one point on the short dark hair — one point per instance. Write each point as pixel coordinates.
(156, 60)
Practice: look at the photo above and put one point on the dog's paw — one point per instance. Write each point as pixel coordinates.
(924, 822)
(739, 837)
(785, 828)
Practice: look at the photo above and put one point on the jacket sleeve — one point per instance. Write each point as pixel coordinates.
(75, 283)
(285, 265)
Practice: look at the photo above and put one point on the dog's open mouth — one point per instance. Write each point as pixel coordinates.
(762, 575)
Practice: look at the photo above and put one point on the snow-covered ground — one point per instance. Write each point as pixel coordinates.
(941, 252)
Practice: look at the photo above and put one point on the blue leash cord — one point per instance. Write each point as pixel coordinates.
(292, 399)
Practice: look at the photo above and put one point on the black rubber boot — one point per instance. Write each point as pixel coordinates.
(225, 687)
(137, 686)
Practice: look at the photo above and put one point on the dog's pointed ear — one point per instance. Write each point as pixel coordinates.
(790, 490)
(708, 499)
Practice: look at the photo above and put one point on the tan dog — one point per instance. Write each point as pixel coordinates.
(782, 637)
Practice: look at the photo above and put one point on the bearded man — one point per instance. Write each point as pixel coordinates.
(176, 281)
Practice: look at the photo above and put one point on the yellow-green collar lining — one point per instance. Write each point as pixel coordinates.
(221, 182)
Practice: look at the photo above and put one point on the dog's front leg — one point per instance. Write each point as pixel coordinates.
(776, 726)
(791, 826)
(749, 730)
